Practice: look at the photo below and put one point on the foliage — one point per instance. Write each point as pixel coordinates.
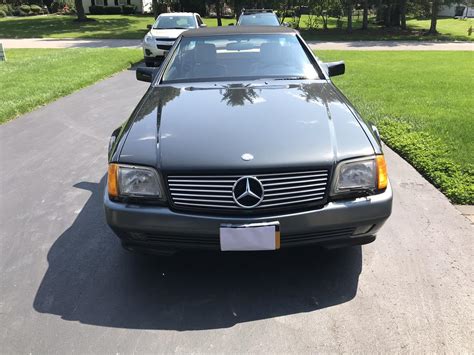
(57, 72)
(3, 13)
(8, 9)
(129, 9)
(36, 9)
(105, 10)
(430, 155)
(63, 6)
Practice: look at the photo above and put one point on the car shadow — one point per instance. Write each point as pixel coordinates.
(90, 279)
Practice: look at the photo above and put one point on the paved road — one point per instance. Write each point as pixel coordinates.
(132, 43)
(66, 285)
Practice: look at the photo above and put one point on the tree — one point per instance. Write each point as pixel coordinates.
(349, 15)
(81, 15)
(365, 15)
(154, 5)
(403, 14)
(434, 16)
(219, 12)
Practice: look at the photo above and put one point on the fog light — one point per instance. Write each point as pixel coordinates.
(363, 229)
(147, 52)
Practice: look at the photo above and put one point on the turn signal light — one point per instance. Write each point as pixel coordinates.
(112, 185)
(382, 177)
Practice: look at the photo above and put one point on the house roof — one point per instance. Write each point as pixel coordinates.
(216, 31)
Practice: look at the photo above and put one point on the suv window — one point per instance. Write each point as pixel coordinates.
(174, 22)
(259, 19)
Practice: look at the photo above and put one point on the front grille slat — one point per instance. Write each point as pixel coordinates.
(295, 182)
(281, 190)
(294, 192)
(184, 199)
(294, 177)
(293, 197)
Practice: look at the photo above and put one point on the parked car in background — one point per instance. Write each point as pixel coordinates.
(164, 32)
(242, 142)
(258, 17)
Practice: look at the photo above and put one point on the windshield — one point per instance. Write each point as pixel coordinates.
(239, 57)
(174, 22)
(265, 19)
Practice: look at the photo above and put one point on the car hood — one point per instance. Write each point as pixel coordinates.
(171, 33)
(209, 127)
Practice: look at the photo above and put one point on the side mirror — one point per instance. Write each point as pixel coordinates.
(285, 24)
(231, 24)
(336, 68)
(203, 25)
(149, 27)
(146, 74)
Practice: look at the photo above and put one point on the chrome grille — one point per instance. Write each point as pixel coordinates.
(280, 189)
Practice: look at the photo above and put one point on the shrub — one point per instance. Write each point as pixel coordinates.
(129, 9)
(7, 9)
(105, 10)
(36, 9)
(96, 10)
(55, 7)
(112, 10)
(63, 6)
(2, 13)
(25, 8)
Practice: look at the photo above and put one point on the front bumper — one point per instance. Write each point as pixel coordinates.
(339, 223)
(156, 51)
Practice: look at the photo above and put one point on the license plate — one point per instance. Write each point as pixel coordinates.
(250, 237)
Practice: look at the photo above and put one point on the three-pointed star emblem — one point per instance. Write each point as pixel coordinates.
(248, 192)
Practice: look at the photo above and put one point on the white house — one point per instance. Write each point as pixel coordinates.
(143, 6)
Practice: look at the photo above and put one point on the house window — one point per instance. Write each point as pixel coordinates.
(122, 2)
(99, 2)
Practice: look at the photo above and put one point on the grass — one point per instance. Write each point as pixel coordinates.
(56, 26)
(449, 29)
(134, 27)
(34, 77)
(422, 105)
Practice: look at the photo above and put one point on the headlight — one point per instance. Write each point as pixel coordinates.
(360, 175)
(133, 181)
(149, 39)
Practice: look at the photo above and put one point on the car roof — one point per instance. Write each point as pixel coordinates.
(229, 30)
(177, 14)
(257, 11)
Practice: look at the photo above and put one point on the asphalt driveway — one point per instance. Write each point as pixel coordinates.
(67, 286)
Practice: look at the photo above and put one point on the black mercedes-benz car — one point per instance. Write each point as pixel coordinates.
(242, 142)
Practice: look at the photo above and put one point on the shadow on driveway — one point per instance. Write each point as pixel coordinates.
(90, 279)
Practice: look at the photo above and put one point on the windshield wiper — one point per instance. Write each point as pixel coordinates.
(291, 78)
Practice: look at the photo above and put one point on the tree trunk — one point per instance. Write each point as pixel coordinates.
(154, 5)
(219, 12)
(403, 14)
(365, 16)
(349, 16)
(434, 17)
(81, 16)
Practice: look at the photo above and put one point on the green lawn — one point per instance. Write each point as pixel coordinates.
(422, 104)
(134, 27)
(449, 30)
(55, 26)
(34, 77)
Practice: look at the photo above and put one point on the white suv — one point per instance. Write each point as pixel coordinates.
(163, 33)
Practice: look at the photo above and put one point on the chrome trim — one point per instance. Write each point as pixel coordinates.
(279, 189)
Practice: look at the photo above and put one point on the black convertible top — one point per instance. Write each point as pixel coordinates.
(217, 31)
